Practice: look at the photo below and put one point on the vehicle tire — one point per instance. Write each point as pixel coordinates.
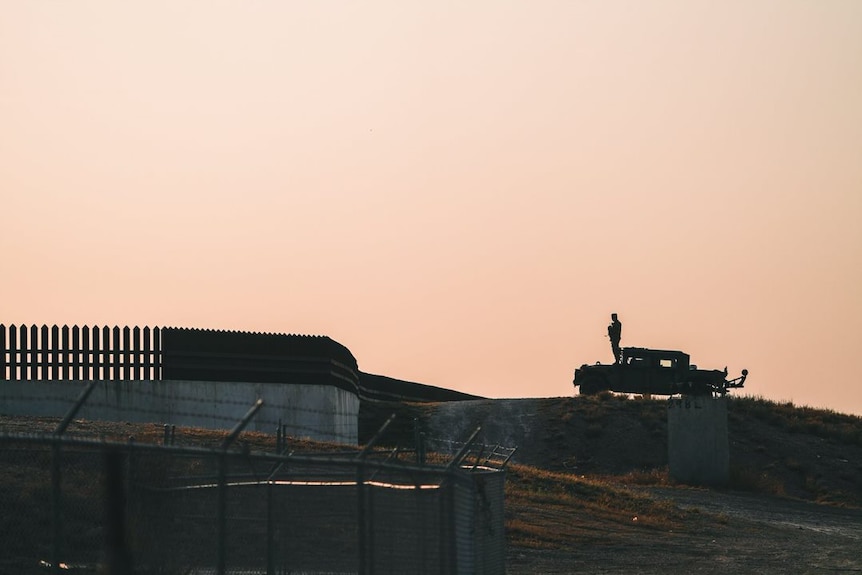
(592, 386)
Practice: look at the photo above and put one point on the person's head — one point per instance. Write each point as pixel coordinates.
(614, 317)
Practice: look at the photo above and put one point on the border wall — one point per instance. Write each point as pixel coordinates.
(197, 377)
(319, 412)
(188, 377)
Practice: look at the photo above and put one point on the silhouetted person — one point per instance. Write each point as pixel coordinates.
(615, 331)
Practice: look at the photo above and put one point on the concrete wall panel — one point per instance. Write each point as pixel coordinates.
(698, 450)
(325, 413)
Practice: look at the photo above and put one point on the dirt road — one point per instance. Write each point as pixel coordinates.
(734, 534)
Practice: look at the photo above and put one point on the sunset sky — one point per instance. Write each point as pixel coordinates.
(459, 192)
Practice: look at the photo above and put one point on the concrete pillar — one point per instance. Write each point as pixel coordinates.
(698, 451)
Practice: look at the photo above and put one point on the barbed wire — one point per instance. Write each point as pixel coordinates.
(187, 409)
(177, 519)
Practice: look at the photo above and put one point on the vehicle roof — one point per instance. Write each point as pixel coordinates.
(648, 351)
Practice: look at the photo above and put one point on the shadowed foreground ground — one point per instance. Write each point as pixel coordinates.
(591, 493)
(588, 490)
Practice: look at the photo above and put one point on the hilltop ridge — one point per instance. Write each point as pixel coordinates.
(775, 448)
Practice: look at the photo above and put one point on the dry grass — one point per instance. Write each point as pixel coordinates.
(823, 423)
(751, 480)
(546, 509)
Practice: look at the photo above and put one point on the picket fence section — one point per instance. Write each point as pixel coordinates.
(79, 353)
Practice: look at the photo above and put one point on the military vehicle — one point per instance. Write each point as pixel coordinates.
(654, 372)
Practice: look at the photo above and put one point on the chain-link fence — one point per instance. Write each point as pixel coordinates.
(79, 503)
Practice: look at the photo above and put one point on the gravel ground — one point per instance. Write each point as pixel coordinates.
(736, 534)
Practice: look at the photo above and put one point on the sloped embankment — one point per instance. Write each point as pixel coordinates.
(777, 449)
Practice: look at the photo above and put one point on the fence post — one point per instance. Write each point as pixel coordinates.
(464, 451)
(360, 503)
(365, 562)
(237, 429)
(85, 354)
(419, 440)
(117, 355)
(278, 439)
(56, 502)
(222, 512)
(116, 551)
(449, 512)
(147, 357)
(3, 352)
(98, 363)
(132, 470)
(24, 347)
(222, 483)
(270, 532)
(75, 359)
(66, 355)
(73, 411)
(13, 353)
(158, 359)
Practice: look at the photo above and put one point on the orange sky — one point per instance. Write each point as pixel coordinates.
(461, 193)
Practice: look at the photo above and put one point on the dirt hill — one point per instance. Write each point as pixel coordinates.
(588, 490)
(777, 449)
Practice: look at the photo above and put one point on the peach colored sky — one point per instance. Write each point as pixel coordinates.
(460, 192)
